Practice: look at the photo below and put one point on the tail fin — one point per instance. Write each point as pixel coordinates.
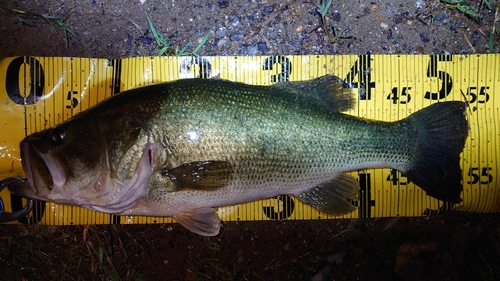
(442, 131)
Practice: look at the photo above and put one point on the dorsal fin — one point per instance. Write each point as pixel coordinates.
(326, 90)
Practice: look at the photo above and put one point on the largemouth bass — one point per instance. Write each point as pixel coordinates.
(183, 148)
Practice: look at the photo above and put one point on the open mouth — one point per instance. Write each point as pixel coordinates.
(49, 179)
(37, 172)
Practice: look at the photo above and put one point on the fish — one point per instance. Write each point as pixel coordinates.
(181, 149)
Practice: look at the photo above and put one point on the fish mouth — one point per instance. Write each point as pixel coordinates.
(42, 171)
(46, 181)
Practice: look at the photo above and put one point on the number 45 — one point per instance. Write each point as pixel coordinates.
(486, 177)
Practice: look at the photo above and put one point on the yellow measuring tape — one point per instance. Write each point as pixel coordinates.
(39, 92)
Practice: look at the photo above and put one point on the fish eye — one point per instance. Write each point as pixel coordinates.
(57, 135)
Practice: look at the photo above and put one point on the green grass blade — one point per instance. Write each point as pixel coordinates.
(181, 52)
(324, 6)
(161, 42)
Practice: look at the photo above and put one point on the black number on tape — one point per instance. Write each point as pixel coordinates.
(403, 98)
(286, 67)
(397, 178)
(365, 201)
(73, 102)
(361, 71)
(204, 65)
(288, 207)
(117, 72)
(446, 81)
(482, 97)
(484, 178)
(36, 81)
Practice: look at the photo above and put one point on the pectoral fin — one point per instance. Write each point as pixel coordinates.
(203, 175)
(202, 221)
(331, 197)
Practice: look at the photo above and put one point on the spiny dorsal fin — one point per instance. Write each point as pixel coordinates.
(326, 90)
(331, 197)
(202, 175)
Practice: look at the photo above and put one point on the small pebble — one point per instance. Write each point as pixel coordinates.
(389, 34)
(337, 16)
(146, 40)
(285, 50)
(223, 4)
(200, 33)
(262, 47)
(221, 32)
(250, 19)
(235, 20)
(397, 19)
(454, 27)
(440, 17)
(236, 36)
(252, 50)
(268, 9)
(222, 43)
(273, 35)
(424, 37)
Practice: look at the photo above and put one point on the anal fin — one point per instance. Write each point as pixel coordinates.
(332, 197)
(202, 221)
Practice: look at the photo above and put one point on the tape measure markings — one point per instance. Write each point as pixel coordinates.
(387, 87)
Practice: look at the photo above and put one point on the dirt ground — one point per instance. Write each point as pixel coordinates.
(452, 246)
